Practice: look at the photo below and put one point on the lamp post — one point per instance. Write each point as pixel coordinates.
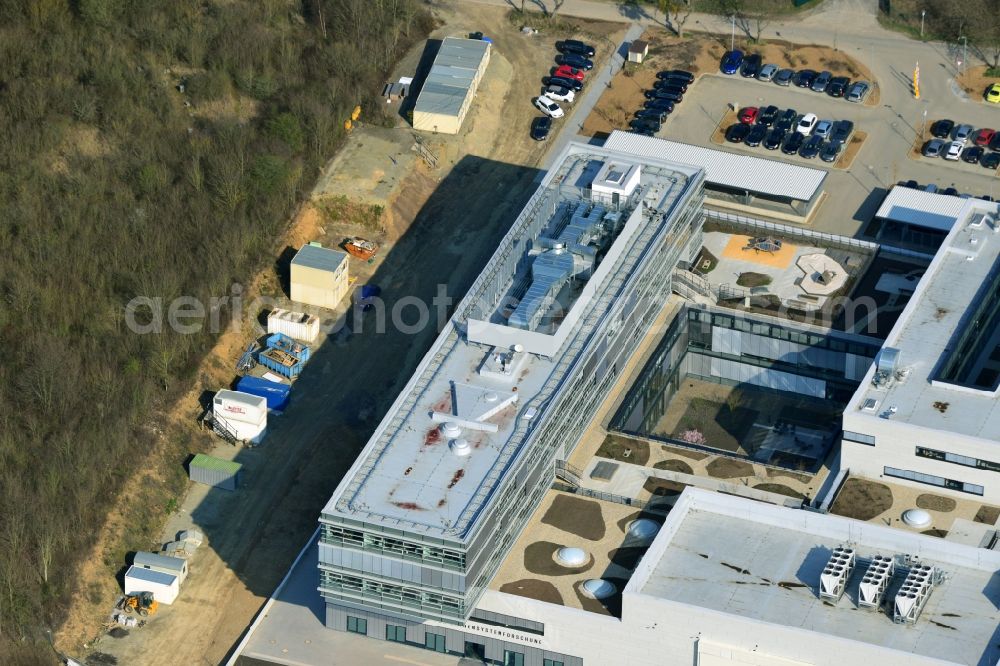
(732, 39)
(965, 51)
(923, 12)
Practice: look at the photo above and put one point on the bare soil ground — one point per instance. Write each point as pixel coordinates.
(936, 502)
(727, 468)
(434, 217)
(674, 465)
(987, 514)
(780, 488)
(625, 449)
(541, 590)
(700, 53)
(862, 499)
(581, 517)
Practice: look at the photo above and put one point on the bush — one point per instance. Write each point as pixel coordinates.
(207, 86)
(286, 128)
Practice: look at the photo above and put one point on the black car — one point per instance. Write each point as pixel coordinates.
(910, 184)
(677, 84)
(659, 115)
(784, 125)
(751, 65)
(774, 138)
(575, 46)
(540, 128)
(792, 143)
(972, 154)
(942, 128)
(804, 78)
(673, 90)
(838, 86)
(994, 143)
(985, 197)
(572, 84)
(767, 115)
(645, 124)
(574, 60)
(842, 130)
(830, 151)
(680, 74)
(810, 148)
(990, 160)
(788, 116)
(950, 191)
(663, 94)
(756, 135)
(736, 133)
(659, 105)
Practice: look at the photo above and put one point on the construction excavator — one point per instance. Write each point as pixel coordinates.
(141, 603)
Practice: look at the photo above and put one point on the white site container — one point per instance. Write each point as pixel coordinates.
(164, 587)
(298, 325)
(239, 406)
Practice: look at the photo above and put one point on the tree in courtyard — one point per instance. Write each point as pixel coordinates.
(675, 14)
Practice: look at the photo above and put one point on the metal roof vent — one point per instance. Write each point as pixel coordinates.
(643, 528)
(450, 430)
(888, 358)
(833, 580)
(913, 595)
(491, 396)
(916, 518)
(460, 447)
(598, 588)
(875, 581)
(572, 558)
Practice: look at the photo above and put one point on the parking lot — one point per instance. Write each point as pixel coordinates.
(883, 160)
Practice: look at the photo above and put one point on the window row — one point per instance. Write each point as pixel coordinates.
(778, 332)
(932, 480)
(406, 596)
(859, 438)
(968, 461)
(417, 552)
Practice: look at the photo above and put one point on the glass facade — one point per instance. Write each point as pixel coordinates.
(859, 438)
(395, 633)
(964, 366)
(357, 625)
(434, 642)
(932, 480)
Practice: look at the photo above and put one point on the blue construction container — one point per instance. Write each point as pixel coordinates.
(281, 362)
(284, 343)
(277, 395)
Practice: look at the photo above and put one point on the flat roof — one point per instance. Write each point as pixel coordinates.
(768, 178)
(763, 562)
(929, 327)
(921, 209)
(450, 79)
(409, 475)
(321, 258)
(150, 576)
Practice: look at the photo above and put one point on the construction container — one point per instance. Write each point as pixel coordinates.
(298, 325)
(215, 472)
(162, 563)
(286, 344)
(275, 394)
(239, 406)
(164, 587)
(281, 362)
(318, 276)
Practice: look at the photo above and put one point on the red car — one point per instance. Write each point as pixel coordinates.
(749, 115)
(567, 72)
(983, 136)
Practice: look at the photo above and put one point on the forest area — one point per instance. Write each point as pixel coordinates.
(148, 149)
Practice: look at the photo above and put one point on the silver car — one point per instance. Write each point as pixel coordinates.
(823, 129)
(858, 91)
(767, 72)
(934, 148)
(962, 133)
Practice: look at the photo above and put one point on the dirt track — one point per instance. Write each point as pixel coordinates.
(441, 227)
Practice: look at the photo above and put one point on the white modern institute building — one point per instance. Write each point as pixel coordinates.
(927, 413)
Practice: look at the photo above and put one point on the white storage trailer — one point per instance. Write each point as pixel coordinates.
(245, 414)
(162, 563)
(164, 587)
(298, 325)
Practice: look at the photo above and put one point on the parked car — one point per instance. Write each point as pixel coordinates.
(983, 136)
(767, 72)
(993, 94)
(985, 197)
(823, 129)
(756, 135)
(681, 74)
(560, 93)
(751, 66)
(658, 115)
(930, 187)
(806, 124)
(675, 90)
(792, 143)
(954, 150)
(575, 46)
(858, 91)
(942, 128)
(548, 107)
(737, 132)
(804, 78)
(838, 86)
(567, 72)
(768, 115)
(784, 77)
(540, 128)
(972, 154)
(950, 191)
(821, 82)
(995, 142)
(731, 62)
(572, 84)
(962, 133)
(575, 60)
(645, 125)
(933, 148)
(748, 114)
(670, 83)
(784, 124)
(830, 151)
(990, 160)
(910, 184)
(774, 138)
(659, 105)
(810, 148)
(788, 116)
(671, 97)
(842, 131)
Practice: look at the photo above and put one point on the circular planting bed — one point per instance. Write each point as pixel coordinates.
(862, 500)
(936, 503)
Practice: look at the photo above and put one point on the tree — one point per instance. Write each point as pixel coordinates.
(675, 14)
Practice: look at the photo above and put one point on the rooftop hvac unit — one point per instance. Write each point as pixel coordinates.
(833, 580)
(875, 581)
(913, 595)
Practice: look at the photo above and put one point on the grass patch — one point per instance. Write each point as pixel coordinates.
(624, 449)
(340, 209)
(577, 516)
(674, 466)
(705, 262)
(987, 514)
(727, 468)
(663, 487)
(751, 279)
(862, 499)
(936, 503)
(723, 425)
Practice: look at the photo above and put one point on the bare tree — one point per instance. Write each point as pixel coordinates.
(675, 14)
